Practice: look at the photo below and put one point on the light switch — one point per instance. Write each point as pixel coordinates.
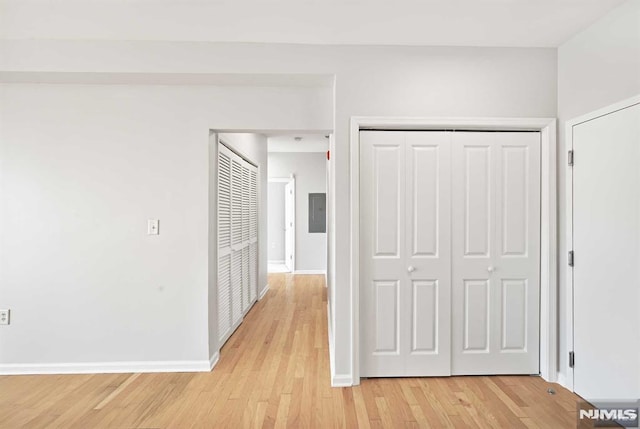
(153, 227)
(4, 317)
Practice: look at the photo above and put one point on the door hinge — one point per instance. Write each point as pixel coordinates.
(572, 359)
(571, 258)
(570, 158)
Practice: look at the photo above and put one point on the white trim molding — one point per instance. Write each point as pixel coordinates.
(548, 225)
(213, 360)
(263, 292)
(341, 380)
(304, 272)
(337, 380)
(107, 367)
(567, 379)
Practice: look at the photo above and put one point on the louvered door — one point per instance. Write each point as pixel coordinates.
(224, 243)
(253, 235)
(237, 239)
(246, 193)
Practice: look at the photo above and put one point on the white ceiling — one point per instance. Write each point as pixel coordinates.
(287, 143)
(522, 23)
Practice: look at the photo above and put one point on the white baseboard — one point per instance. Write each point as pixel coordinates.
(106, 367)
(276, 262)
(310, 272)
(213, 360)
(341, 380)
(562, 381)
(263, 292)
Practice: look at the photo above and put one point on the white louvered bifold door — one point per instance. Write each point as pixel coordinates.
(236, 240)
(253, 235)
(224, 243)
(246, 194)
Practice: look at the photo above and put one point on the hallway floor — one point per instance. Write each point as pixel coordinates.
(274, 372)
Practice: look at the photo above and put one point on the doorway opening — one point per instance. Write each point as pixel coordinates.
(297, 203)
(282, 224)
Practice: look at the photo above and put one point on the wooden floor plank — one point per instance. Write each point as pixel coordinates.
(274, 372)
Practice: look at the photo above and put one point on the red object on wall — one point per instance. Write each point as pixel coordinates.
(328, 155)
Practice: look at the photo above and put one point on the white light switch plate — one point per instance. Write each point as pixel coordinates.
(153, 227)
(4, 317)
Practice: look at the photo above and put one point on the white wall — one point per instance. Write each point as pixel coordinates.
(275, 220)
(377, 81)
(310, 170)
(82, 168)
(598, 67)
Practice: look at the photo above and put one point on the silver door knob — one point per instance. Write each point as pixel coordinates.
(490, 269)
(411, 268)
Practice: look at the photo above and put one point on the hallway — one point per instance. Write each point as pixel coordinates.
(274, 372)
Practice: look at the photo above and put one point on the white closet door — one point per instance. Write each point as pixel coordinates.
(404, 256)
(253, 236)
(496, 247)
(606, 241)
(246, 232)
(236, 240)
(224, 243)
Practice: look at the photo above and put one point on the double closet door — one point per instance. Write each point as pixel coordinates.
(449, 253)
(237, 239)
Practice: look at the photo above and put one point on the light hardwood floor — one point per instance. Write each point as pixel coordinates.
(274, 372)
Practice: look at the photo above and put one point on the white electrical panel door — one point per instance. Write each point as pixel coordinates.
(496, 253)
(405, 253)
(606, 242)
(237, 239)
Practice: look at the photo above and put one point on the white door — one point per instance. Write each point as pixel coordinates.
(405, 253)
(289, 224)
(224, 242)
(246, 231)
(237, 244)
(253, 234)
(606, 242)
(496, 253)
(449, 253)
(237, 239)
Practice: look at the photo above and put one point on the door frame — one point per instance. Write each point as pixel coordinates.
(568, 382)
(548, 220)
(292, 180)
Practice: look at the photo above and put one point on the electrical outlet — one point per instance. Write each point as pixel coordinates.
(153, 227)
(4, 317)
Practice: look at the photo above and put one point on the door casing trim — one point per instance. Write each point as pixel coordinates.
(548, 219)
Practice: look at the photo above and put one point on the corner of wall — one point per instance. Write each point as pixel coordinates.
(337, 380)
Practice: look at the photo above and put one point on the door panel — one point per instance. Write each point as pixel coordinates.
(424, 317)
(496, 246)
(405, 257)
(477, 200)
(476, 315)
(514, 314)
(606, 241)
(387, 316)
(387, 198)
